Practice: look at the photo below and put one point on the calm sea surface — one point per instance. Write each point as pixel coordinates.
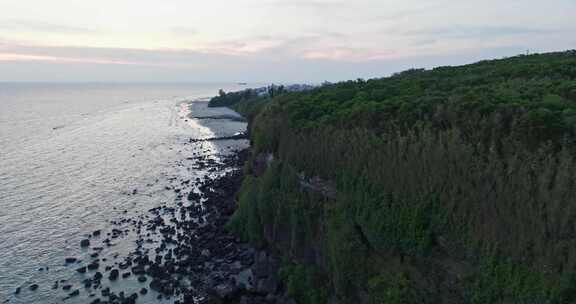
(75, 156)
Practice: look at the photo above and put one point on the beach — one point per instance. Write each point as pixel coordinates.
(92, 193)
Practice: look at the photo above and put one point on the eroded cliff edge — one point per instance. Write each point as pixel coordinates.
(453, 185)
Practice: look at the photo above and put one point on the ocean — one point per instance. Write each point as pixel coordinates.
(74, 157)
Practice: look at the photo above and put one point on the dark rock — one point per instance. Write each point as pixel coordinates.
(131, 299)
(138, 270)
(143, 291)
(156, 285)
(74, 293)
(98, 276)
(85, 243)
(93, 266)
(290, 301)
(189, 298)
(125, 265)
(114, 274)
(66, 287)
(250, 300)
(33, 287)
(17, 290)
(267, 286)
(87, 283)
(262, 265)
(226, 291)
(81, 269)
(142, 279)
(71, 260)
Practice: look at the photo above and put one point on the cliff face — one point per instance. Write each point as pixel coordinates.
(448, 186)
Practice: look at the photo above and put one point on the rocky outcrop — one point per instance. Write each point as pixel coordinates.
(317, 184)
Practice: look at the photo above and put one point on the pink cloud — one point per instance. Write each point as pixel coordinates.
(350, 54)
(55, 59)
(12, 51)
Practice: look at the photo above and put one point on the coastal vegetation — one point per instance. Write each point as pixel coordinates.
(450, 185)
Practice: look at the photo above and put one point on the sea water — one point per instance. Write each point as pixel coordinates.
(73, 157)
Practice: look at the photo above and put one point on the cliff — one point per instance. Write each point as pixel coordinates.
(452, 185)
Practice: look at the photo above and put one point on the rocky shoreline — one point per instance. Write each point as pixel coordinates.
(196, 259)
(183, 253)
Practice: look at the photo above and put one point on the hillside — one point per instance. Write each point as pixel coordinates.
(451, 185)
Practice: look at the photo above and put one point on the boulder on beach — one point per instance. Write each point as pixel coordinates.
(93, 266)
(114, 274)
(70, 260)
(226, 291)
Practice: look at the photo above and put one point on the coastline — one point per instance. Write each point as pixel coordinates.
(182, 252)
(257, 281)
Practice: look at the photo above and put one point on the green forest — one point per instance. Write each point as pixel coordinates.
(448, 185)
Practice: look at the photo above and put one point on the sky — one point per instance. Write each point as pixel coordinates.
(290, 41)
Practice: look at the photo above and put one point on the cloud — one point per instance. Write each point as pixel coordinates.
(316, 4)
(55, 59)
(184, 31)
(42, 27)
(267, 44)
(262, 48)
(240, 47)
(423, 42)
(410, 12)
(478, 31)
(186, 66)
(349, 54)
(10, 51)
(319, 46)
